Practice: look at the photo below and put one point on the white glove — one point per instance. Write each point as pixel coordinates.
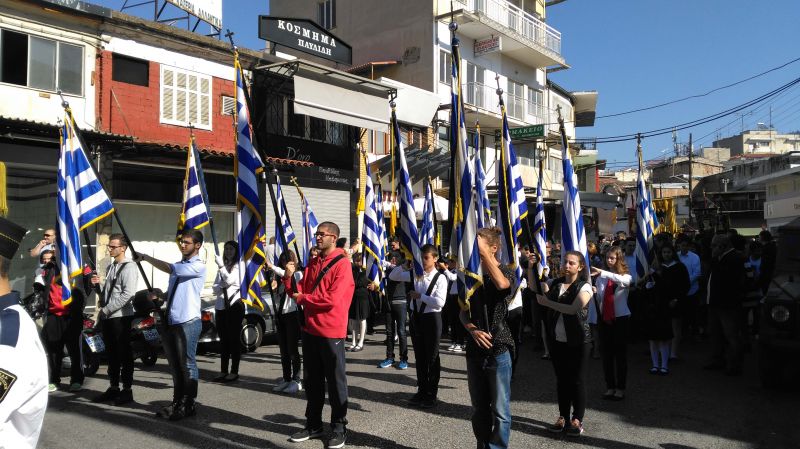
(220, 264)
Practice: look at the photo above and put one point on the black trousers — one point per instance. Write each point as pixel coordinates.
(288, 339)
(229, 327)
(117, 337)
(57, 332)
(426, 335)
(515, 319)
(457, 331)
(614, 350)
(325, 363)
(174, 342)
(570, 363)
(396, 322)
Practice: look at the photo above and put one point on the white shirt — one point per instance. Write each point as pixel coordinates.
(230, 282)
(436, 300)
(517, 301)
(23, 377)
(452, 278)
(289, 304)
(692, 262)
(623, 282)
(561, 332)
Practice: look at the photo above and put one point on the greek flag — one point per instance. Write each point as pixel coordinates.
(372, 255)
(81, 202)
(573, 235)
(249, 223)
(427, 234)
(540, 227)
(407, 221)
(482, 196)
(282, 226)
(194, 214)
(510, 199)
(644, 222)
(464, 235)
(310, 225)
(381, 221)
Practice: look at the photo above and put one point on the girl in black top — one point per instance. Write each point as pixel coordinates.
(567, 332)
(359, 308)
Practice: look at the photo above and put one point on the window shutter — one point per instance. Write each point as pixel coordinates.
(168, 95)
(228, 105)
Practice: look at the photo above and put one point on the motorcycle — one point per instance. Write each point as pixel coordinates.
(92, 346)
(145, 338)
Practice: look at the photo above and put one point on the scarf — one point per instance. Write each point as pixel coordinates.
(608, 301)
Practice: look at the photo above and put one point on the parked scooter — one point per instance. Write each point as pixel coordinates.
(145, 339)
(92, 346)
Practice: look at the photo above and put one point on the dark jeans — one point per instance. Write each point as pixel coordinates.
(325, 363)
(538, 322)
(457, 331)
(180, 347)
(117, 337)
(229, 327)
(57, 332)
(396, 322)
(489, 380)
(724, 325)
(288, 339)
(426, 336)
(570, 363)
(514, 320)
(614, 350)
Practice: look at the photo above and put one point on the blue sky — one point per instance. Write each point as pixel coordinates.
(639, 53)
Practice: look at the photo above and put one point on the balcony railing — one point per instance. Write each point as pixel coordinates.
(536, 111)
(517, 20)
(478, 95)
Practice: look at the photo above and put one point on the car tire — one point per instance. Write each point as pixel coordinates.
(251, 335)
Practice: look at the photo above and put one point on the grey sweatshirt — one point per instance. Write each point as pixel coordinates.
(118, 300)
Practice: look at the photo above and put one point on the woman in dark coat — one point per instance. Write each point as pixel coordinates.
(667, 286)
(359, 308)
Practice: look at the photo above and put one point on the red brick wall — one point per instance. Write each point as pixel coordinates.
(136, 111)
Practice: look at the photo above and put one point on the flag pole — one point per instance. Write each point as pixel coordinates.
(65, 105)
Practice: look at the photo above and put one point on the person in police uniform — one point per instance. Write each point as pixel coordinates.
(23, 364)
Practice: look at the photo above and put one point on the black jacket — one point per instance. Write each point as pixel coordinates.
(727, 280)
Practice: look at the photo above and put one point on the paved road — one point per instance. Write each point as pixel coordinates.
(690, 408)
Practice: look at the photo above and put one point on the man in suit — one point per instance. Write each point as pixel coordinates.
(725, 297)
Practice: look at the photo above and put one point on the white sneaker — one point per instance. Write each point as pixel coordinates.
(293, 387)
(396, 338)
(458, 348)
(452, 347)
(281, 386)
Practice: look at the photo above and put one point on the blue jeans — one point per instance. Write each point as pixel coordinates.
(192, 331)
(489, 380)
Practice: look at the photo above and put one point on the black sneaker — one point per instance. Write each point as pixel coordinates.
(337, 439)
(306, 434)
(108, 395)
(125, 396)
(417, 399)
(429, 402)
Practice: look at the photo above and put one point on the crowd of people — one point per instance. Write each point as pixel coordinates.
(578, 308)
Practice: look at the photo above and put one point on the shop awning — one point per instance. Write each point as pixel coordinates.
(414, 105)
(331, 94)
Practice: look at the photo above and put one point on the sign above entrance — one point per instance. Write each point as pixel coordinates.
(488, 45)
(206, 10)
(306, 36)
(523, 132)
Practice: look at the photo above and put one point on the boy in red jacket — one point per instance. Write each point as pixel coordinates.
(325, 294)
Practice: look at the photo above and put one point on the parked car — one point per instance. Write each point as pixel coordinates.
(255, 326)
(779, 328)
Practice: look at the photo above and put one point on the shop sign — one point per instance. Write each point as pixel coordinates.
(306, 36)
(206, 10)
(488, 45)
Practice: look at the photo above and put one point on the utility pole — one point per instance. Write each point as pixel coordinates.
(691, 167)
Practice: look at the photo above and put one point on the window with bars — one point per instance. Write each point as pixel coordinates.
(326, 14)
(40, 63)
(185, 98)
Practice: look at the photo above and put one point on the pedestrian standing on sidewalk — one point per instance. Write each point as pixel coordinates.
(115, 319)
(182, 324)
(426, 302)
(325, 294)
(228, 317)
(612, 286)
(396, 315)
(569, 336)
(451, 307)
(359, 307)
(489, 346)
(289, 318)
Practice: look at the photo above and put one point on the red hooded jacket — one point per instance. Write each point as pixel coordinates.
(325, 309)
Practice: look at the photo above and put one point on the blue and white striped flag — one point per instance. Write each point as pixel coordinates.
(511, 206)
(427, 235)
(464, 235)
(407, 230)
(573, 234)
(310, 225)
(372, 255)
(282, 224)
(249, 222)
(483, 205)
(644, 222)
(81, 202)
(194, 214)
(540, 227)
(384, 243)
